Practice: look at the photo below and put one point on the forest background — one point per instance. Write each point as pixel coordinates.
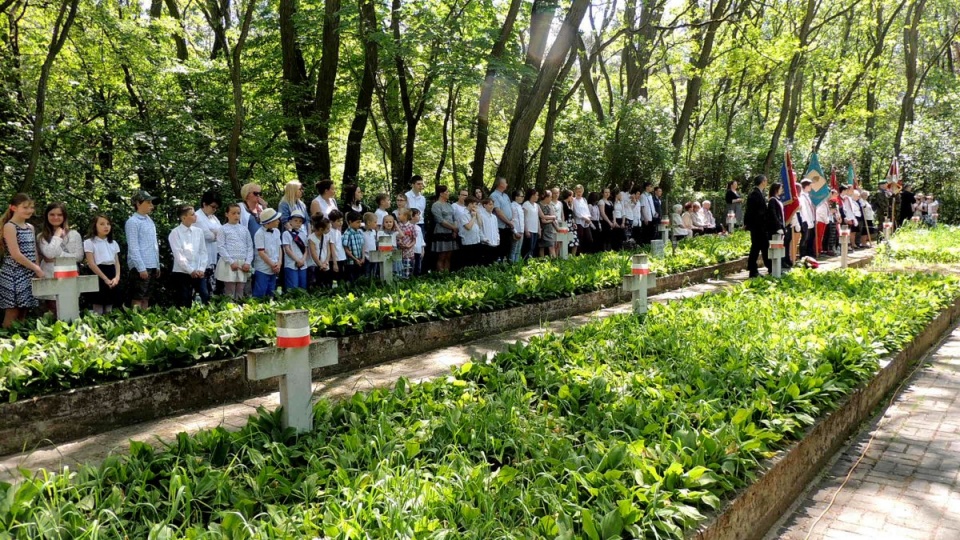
(101, 97)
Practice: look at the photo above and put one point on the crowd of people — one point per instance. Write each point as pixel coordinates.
(815, 230)
(326, 241)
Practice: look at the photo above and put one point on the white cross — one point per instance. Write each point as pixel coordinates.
(639, 281)
(293, 360)
(776, 254)
(844, 245)
(384, 255)
(664, 229)
(66, 286)
(565, 236)
(887, 230)
(731, 221)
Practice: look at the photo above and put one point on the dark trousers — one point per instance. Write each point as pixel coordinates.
(759, 245)
(787, 262)
(506, 244)
(807, 238)
(184, 287)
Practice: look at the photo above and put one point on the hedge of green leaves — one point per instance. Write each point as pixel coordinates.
(54, 356)
(627, 427)
(921, 244)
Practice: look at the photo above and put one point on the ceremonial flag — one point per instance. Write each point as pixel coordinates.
(852, 176)
(833, 180)
(820, 189)
(894, 174)
(791, 195)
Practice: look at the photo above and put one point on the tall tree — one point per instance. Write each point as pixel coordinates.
(61, 28)
(518, 139)
(371, 50)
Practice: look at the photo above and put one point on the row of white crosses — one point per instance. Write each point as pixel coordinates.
(639, 281)
(293, 361)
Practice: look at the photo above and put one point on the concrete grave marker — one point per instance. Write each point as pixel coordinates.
(384, 255)
(293, 360)
(844, 245)
(66, 286)
(565, 236)
(731, 221)
(664, 229)
(639, 281)
(777, 251)
(887, 230)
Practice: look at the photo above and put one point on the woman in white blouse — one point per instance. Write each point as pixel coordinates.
(208, 222)
(57, 239)
(680, 231)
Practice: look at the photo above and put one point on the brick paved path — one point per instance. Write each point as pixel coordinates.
(907, 485)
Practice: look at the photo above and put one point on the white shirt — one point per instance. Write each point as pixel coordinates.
(932, 207)
(617, 210)
(517, 217)
(369, 242)
(103, 252)
(531, 217)
(211, 227)
(471, 236)
(267, 240)
(380, 215)
(707, 219)
(647, 210)
(417, 201)
(628, 206)
(581, 211)
(189, 249)
(676, 221)
(848, 212)
(234, 244)
(71, 246)
(320, 248)
(458, 210)
(326, 206)
(807, 213)
(419, 244)
(286, 239)
(638, 209)
(823, 212)
(488, 227)
(335, 237)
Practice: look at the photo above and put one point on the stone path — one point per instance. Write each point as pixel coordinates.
(415, 368)
(907, 485)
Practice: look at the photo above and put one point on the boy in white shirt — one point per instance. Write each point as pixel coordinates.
(269, 257)
(489, 233)
(334, 239)
(371, 222)
(189, 249)
(296, 259)
(419, 245)
(383, 205)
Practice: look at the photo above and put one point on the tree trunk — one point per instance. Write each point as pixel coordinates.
(236, 83)
(519, 137)
(65, 18)
(451, 97)
(368, 29)
(326, 83)
(692, 99)
(911, 44)
(294, 95)
(541, 17)
(486, 95)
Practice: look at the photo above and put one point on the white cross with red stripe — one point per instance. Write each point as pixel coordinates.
(293, 361)
(639, 281)
(65, 287)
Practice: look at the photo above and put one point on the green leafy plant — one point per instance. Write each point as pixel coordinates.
(920, 244)
(627, 427)
(51, 356)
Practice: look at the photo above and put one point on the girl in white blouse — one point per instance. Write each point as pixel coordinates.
(103, 259)
(57, 239)
(236, 254)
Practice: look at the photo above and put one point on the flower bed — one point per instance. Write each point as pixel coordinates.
(919, 244)
(55, 356)
(628, 426)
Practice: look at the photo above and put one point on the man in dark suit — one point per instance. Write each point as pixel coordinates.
(757, 221)
(907, 199)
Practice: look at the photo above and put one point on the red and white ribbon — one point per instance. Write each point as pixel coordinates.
(665, 222)
(292, 338)
(385, 247)
(640, 269)
(844, 232)
(776, 245)
(915, 219)
(64, 272)
(887, 225)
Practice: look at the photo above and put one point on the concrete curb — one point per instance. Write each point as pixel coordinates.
(81, 412)
(758, 507)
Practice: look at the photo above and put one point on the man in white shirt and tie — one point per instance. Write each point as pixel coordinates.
(808, 220)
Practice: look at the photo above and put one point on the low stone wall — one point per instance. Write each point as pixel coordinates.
(758, 507)
(81, 412)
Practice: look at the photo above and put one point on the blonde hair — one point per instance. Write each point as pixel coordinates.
(247, 189)
(291, 192)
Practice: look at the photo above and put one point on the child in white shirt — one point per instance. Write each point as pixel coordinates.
(295, 251)
(419, 245)
(236, 254)
(269, 259)
(189, 249)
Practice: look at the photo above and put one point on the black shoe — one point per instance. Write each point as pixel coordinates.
(753, 275)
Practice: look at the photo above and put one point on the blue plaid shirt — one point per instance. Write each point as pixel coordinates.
(143, 252)
(353, 240)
